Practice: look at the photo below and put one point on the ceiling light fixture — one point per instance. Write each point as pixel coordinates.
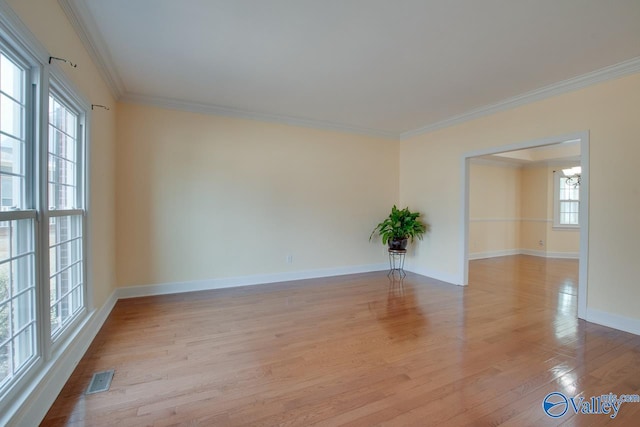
(573, 175)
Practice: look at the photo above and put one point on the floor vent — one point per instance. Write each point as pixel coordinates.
(101, 381)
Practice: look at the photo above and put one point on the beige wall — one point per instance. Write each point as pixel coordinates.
(494, 209)
(511, 211)
(535, 213)
(48, 23)
(609, 111)
(203, 197)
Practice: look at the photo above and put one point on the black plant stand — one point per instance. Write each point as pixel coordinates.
(396, 261)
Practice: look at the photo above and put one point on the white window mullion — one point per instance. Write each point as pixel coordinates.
(43, 219)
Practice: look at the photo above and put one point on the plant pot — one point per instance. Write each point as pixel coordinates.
(398, 244)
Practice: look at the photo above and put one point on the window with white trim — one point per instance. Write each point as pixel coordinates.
(566, 201)
(18, 327)
(65, 212)
(42, 215)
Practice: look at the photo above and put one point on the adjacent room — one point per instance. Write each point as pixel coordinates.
(223, 213)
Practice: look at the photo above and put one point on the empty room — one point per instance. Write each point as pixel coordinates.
(243, 212)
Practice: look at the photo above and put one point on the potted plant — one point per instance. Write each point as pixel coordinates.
(398, 227)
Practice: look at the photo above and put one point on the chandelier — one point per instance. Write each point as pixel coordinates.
(573, 175)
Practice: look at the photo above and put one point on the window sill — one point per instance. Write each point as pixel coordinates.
(566, 228)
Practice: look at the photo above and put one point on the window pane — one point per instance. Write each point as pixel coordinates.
(24, 346)
(11, 155)
(5, 322)
(22, 317)
(11, 79)
(4, 362)
(23, 268)
(5, 287)
(56, 141)
(5, 242)
(11, 192)
(11, 119)
(21, 236)
(71, 123)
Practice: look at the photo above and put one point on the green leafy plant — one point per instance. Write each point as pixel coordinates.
(400, 224)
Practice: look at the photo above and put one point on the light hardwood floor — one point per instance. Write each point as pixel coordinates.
(358, 350)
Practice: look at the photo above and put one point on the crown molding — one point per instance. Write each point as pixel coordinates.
(604, 74)
(82, 22)
(194, 107)
(621, 69)
(85, 26)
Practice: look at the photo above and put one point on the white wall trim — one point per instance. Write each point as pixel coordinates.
(81, 20)
(32, 406)
(531, 252)
(564, 255)
(547, 254)
(494, 254)
(608, 73)
(611, 72)
(614, 321)
(194, 107)
(583, 269)
(231, 282)
(536, 219)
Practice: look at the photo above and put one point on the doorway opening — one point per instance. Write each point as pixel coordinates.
(532, 152)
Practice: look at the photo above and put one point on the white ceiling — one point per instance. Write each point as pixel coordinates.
(373, 66)
(565, 153)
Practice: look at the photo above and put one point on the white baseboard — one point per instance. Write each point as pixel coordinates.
(545, 254)
(31, 409)
(615, 321)
(531, 252)
(494, 254)
(564, 255)
(231, 282)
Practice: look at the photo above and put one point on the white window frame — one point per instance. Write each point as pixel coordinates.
(18, 40)
(29, 211)
(60, 88)
(557, 176)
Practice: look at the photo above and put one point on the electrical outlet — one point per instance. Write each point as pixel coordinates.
(540, 243)
(289, 259)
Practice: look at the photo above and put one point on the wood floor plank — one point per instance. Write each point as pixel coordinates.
(357, 350)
